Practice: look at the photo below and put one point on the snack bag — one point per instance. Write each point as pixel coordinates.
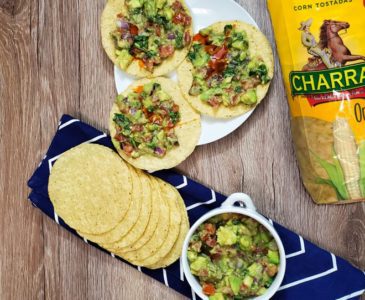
(321, 45)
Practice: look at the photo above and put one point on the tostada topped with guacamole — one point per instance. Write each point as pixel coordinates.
(152, 126)
(146, 38)
(234, 257)
(228, 69)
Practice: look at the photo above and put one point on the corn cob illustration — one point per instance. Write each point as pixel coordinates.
(346, 150)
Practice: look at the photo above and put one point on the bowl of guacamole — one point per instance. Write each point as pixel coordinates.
(233, 252)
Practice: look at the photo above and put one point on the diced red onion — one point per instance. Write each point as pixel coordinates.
(122, 24)
(171, 36)
(133, 111)
(159, 151)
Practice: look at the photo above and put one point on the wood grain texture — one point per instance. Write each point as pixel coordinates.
(52, 62)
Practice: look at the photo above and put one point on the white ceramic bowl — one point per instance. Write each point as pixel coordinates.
(247, 209)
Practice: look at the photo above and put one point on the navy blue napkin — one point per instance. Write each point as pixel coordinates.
(311, 273)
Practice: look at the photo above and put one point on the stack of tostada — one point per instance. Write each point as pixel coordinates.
(126, 211)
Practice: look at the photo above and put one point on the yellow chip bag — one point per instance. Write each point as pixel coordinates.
(322, 54)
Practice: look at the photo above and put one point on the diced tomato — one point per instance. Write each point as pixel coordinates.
(204, 237)
(211, 242)
(216, 256)
(166, 51)
(175, 108)
(213, 102)
(137, 128)
(208, 289)
(210, 228)
(138, 89)
(217, 66)
(120, 138)
(211, 49)
(177, 5)
(200, 38)
(156, 119)
(170, 125)
(141, 64)
(221, 53)
(148, 64)
(127, 148)
(272, 270)
(133, 29)
(178, 18)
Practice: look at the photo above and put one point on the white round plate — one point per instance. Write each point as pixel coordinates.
(205, 13)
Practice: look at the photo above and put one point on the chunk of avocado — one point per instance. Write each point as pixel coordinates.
(245, 242)
(249, 98)
(137, 116)
(147, 102)
(123, 44)
(201, 58)
(255, 270)
(273, 257)
(160, 3)
(150, 8)
(153, 44)
(201, 262)
(261, 291)
(243, 55)
(235, 283)
(239, 44)
(161, 135)
(226, 236)
(224, 264)
(247, 281)
(216, 296)
(168, 13)
(206, 95)
(123, 58)
(163, 96)
(242, 229)
(147, 88)
(217, 39)
(133, 4)
(226, 100)
(192, 255)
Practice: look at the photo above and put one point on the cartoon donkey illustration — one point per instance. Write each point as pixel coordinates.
(330, 51)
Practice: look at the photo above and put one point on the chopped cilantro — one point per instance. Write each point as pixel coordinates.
(175, 117)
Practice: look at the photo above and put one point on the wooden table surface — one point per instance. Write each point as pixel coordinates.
(51, 63)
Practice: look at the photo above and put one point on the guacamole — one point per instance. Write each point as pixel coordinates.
(146, 122)
(224, 71)
(233, 257)
(150, 32)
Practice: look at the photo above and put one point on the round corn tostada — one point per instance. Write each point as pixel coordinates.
(147, 217)
(131, 218)
(90, 188)
(146, 38)
(152, 126)
(135, 239)
(228, 69)
(175, 251)
(165, 234)
(174, 226)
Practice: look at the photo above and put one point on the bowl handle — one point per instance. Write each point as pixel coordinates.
(242, 199)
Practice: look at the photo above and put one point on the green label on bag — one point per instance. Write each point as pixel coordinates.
(326, 81)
